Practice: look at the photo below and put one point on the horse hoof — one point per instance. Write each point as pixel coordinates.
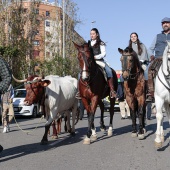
(102, 129)
(44, 142)
(141, 136)
(158, 145)
(86, 141)
(162, 139)
(93, 137)
(109, 133)
(134, 135)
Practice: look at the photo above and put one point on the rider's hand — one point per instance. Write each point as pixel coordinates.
(152, 58)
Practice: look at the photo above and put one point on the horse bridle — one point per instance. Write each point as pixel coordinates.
(85, 60)
(166, 76)
(129, 70)
(88, 66)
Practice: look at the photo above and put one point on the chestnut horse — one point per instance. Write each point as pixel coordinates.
(93, 88)
(134, 87)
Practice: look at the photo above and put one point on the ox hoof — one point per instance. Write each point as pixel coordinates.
(162, 139)
(109, 133)
(86, 141)
(134, 135)
(93, 137)
(141, 136)
(54, 137)
(44, 142)
(158, 145)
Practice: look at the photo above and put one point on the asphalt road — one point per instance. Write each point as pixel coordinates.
(22, 151)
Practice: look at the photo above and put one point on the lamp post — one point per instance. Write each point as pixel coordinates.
(92, 23)
(63, 6)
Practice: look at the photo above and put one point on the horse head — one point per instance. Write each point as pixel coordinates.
(166, 59)
(86, 60)
(130, 63)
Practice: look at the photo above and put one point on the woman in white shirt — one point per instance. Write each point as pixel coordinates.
(99, 51)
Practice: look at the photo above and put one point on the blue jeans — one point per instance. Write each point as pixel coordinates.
(108, 70)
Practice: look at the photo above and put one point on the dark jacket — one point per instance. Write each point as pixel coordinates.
(120, 92)
(5, 76)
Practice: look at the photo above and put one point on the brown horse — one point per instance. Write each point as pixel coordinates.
(93, 88)
(134, 86)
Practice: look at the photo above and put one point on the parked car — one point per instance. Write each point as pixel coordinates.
(20, 109)
(107, 105)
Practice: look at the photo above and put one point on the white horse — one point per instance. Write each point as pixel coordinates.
(162, 95)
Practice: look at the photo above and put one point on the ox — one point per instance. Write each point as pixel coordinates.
(57, 95)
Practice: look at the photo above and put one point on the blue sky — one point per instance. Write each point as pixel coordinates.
(116, 19)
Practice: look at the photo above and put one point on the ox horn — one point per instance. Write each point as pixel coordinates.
(19, 81)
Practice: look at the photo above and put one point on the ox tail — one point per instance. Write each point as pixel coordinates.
(77, 115)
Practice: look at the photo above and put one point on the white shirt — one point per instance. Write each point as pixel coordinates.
(102, 49)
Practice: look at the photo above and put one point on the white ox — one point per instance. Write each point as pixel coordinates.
(58, 97)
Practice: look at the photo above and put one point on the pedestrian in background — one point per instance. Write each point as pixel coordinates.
(124, 108)
(7, 108)
(5, 80)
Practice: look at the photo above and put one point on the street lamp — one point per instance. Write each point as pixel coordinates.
(63, 6)
(92, 23)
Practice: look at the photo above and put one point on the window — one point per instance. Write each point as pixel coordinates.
(47, 13)
(36, 11)
(36, 42)
(47, 23)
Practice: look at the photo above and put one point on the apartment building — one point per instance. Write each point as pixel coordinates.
(49, 33)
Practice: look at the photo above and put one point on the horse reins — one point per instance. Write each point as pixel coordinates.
(129, 71)
(85, 60)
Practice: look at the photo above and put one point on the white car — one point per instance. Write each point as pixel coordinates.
(107, 105)
(19, 108)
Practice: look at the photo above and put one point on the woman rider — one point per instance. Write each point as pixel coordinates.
(99, 51)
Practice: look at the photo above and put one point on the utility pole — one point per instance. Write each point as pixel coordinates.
(63, 6)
